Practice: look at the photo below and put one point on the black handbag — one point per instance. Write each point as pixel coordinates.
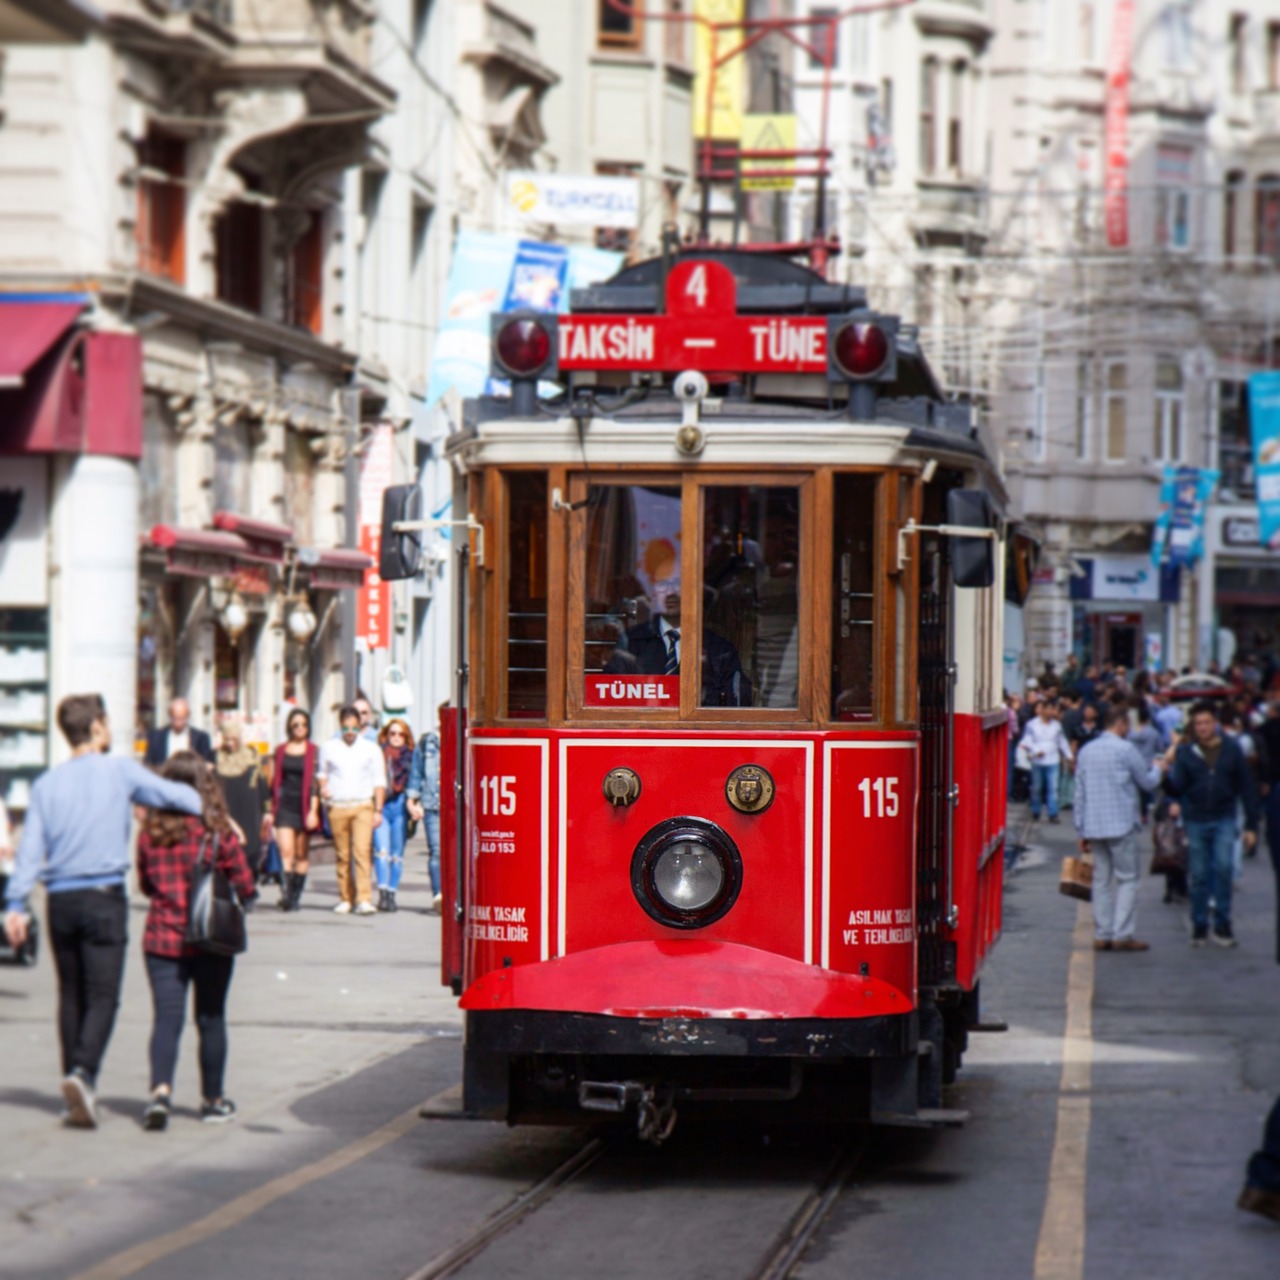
(215, 914)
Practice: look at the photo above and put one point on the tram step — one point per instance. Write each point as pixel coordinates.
(446, 1105)
(924, 1118)
(988, 1024)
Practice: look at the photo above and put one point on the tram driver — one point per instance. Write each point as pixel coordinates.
(654, 647)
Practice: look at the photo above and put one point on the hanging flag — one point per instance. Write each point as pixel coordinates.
(1264, 427)
(720, 115)
(1115, 197)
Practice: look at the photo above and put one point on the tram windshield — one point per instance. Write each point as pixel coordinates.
(635, 598)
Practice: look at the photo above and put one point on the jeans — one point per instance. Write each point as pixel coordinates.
(352, 850)
(169, 977)
(1044, 781)
(1210, 870)
(388, 842)
(1115, 887)
(88, 930)
(431, 824)
(1273, 847)
(1264, 1165)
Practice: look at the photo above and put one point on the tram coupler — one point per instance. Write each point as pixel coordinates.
(655, 1105)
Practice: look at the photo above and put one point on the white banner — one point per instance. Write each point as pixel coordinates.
(1125, 578)
(570, 200)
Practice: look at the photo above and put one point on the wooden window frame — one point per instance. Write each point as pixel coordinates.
(160, 232)
(620, 42)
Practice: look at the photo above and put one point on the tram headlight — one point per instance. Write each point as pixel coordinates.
(861, 350)
(686, 872)
(522, 347)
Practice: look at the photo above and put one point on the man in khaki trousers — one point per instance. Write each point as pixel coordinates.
(353, 782)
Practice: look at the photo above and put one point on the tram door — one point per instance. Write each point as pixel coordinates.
(936, 689)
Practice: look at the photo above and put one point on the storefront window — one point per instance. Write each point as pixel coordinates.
(527, 594)
(24, 702)
(853, 611)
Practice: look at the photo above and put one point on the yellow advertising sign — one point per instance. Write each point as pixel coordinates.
(768, 133)
(729, 86)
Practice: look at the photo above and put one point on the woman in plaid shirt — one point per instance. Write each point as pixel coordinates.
(168, 847)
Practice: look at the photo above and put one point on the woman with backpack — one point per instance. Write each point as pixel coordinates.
(168, 848)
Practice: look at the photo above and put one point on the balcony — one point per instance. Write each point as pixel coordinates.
(197, 30)
(950, 211)
(1235, 461)
(46, 21)
(507, 47)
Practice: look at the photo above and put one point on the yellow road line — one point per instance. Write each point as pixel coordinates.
(130, 1261)
(1060, 1248)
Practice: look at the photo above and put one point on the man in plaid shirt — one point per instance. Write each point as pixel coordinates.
(1109, 775)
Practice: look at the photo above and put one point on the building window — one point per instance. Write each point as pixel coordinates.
(162, 207)
(1173, 197)
(955, 118)
(1084, 407)
(1168, 410)
(618, 239)
(1235, 447)
(1273, 55)
(1114, 415)
(1238, 52)
(618, 25)
(675, 33)
(1087, 31)
(306, 276)
(1266, 237)
(824, 39)
(1039, 417)
(928, 116)
(1230, 213)
(237, 248)
(1179, 41)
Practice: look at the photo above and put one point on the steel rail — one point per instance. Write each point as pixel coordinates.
(457, 1256)
(791, 1243)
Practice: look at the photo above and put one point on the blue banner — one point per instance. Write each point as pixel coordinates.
(1160, 534)
(502, 273)
(1264, 427)
(1185, 493)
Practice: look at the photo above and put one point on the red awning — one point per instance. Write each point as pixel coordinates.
(336, 568)
(27, 331)
(265, 541)
(200, 553)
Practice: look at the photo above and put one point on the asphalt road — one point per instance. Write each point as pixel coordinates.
(339, 1033)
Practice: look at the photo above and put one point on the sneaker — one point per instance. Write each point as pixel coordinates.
(1054, 820)
(437, 903)
(156, 1116)
(366, 909)
(1199, 935)
(1223, 936)
(218, 1112)
(82, 1109)
(1256, 1200)
(392, 905)
(342, 909)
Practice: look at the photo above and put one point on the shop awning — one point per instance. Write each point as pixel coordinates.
(65, 389)
(27, 331)
(199, 553)
(265, 541)
(335, 568)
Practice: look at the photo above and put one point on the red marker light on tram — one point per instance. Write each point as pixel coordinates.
(523, 347)
(860, 350)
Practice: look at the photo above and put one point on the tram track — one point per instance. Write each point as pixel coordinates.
(777, 1261)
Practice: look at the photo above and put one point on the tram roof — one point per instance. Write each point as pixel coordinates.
(768, 284)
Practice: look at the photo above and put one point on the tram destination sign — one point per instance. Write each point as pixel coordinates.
(700, 329)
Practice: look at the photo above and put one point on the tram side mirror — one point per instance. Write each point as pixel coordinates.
(399, 554)
(1021, 558)
(973, 560)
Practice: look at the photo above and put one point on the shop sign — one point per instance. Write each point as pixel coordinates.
(373, 604)
(1240, 531)
(1126, 577)
(574, 200)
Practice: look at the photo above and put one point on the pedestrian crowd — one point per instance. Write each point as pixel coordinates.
(214, 825)
(1123, 748)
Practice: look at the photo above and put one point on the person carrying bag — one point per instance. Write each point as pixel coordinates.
(195, 872)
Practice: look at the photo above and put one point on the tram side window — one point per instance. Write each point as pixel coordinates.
(853, 612)
(632, 585)
(750, 596)
(526, 594)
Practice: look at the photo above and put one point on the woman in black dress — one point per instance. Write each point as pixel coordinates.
(244, 788)
(295, 805)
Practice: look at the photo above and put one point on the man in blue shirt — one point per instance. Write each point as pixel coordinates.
(76, 840)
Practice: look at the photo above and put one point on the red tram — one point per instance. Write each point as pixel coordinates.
(730, 780)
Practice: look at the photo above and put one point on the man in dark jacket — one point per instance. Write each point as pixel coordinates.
(178, 735)
(1211, 778)
(1268, 734)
